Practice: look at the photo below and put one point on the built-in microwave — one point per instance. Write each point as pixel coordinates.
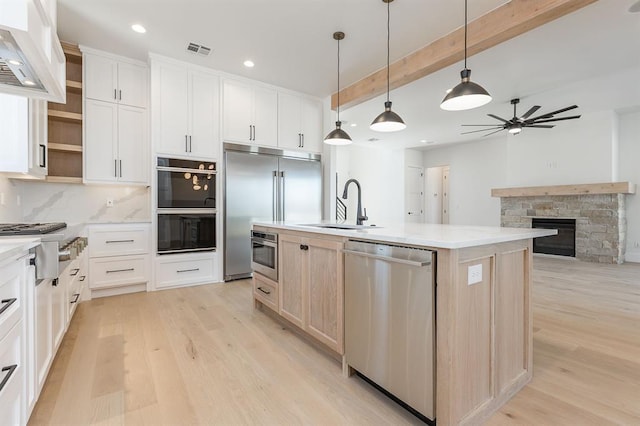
(264, 253)
(186, 201)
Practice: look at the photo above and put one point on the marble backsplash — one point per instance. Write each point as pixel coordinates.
(73, 203)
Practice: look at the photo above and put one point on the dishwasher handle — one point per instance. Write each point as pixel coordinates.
(387, 258)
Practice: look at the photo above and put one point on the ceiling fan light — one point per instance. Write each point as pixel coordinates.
(514, 129)
(466, 95)
(338, 136)
(387, 121)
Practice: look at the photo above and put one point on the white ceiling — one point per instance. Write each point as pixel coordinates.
(291, 43)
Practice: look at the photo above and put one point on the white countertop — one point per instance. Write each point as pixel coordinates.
(10, 246)
(424, 234)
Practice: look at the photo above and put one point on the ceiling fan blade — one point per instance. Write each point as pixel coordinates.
(531, 111)
(484, 125)
(551, 114)
(498, 118)
(556, 119)
(489, 134)
(542, 126)
(482, 130)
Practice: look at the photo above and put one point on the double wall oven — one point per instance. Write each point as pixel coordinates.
(186, 205)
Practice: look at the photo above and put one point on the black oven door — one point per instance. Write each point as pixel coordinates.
(186, 232)
(186, 184)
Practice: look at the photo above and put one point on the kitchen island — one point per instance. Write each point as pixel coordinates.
(483, 323)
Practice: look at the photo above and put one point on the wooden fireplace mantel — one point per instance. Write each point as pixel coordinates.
(580, 189)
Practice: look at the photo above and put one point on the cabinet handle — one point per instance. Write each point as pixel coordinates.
(250, 132)
(115, 168)
(115, 92)
(6, 303)
(43, 156)
(302, 140)
(118, 241)
(254, 133)
(188, 270)
(304, 247)
(299, 140)
(77, 296)
(121, 270)
(120, 94)
(10, 369)
(74, 272)
(82, 278)
(264, 291)
(54, 282)
(189, 143)
(120, 167)
(186, 143)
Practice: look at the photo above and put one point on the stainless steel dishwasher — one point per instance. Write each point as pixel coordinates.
(390, 320)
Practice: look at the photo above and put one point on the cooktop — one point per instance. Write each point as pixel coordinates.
(30, 228)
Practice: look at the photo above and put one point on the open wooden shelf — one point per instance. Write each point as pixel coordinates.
(65, 116)
(74, 86)
(580, 189)
(64, 147)
(63, 179)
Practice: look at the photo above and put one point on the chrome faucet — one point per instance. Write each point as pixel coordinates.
(360, 217)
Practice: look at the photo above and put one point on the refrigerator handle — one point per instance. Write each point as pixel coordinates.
(274, 206)
(282, 200)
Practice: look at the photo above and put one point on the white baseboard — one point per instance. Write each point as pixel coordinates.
(633, 257)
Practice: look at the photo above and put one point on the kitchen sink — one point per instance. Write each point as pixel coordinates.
(340, 226)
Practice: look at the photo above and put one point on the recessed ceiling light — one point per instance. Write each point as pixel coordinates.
(15, 62)
(249, 63)
(423, 140)
(138, 28)
(28, 83)
(353, 124)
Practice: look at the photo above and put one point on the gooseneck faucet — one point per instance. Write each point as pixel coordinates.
(360, 217)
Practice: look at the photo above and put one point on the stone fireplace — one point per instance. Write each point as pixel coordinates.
(598, 209)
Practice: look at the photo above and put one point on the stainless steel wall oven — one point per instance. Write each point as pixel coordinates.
(186, 197)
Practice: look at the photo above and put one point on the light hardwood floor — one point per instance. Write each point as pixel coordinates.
(203, 355)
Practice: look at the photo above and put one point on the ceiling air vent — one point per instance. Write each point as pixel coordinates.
(198, 48)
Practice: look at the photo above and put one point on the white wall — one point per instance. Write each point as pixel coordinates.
(10, 210)
(475, 168)
(380, 172)
(629, 139)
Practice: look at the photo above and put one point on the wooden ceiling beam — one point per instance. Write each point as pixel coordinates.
(501, 24)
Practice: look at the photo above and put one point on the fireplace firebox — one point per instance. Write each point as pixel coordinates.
(563, 244)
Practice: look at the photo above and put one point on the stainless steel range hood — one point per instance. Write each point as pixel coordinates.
(32, 62)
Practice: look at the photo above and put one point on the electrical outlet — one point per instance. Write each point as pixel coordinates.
(474, 274)
(109, 202)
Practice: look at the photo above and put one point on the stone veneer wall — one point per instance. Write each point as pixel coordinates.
(601, 223)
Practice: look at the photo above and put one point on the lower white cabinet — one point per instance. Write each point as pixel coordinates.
(12, 377)
(43, 332)
(118, 258)
(173, 270)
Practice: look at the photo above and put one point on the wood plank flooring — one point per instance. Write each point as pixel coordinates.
(203, 355)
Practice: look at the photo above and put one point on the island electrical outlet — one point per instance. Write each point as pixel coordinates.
(474, 274)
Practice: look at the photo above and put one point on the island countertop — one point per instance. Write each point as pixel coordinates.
(421, 234)
(12, 246)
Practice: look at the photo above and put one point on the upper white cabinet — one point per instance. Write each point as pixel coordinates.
(299, 122)
(116, 147)
(250, 113)
(186, 109)
(111, 80)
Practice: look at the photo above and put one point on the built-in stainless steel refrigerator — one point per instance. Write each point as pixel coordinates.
(263, 184)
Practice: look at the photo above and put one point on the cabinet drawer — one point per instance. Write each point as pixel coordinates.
(183, 271)
(11, 296)
(265, 291)
(11, 368)
(117, 271)
(118, 242)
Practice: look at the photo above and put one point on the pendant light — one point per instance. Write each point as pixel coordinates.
(467, 94)
(388, 121)
(338, 136)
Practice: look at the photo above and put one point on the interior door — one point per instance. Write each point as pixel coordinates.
(414, 194)
(300, 190)
(250, 183)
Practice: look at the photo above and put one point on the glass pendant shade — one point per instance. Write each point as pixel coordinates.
(515, 129)
(338, 136)
(466, 95)
(387, 121)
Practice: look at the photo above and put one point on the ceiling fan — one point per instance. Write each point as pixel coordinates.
(516, 124)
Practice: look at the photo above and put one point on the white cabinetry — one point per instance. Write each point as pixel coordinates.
(119, 258)
(186, 109)
(116, 148)
(112, 80)
(250, 113)
(176, 270)
(299, 122)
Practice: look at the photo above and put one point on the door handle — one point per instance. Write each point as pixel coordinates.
(282, 200)
(274, 211)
